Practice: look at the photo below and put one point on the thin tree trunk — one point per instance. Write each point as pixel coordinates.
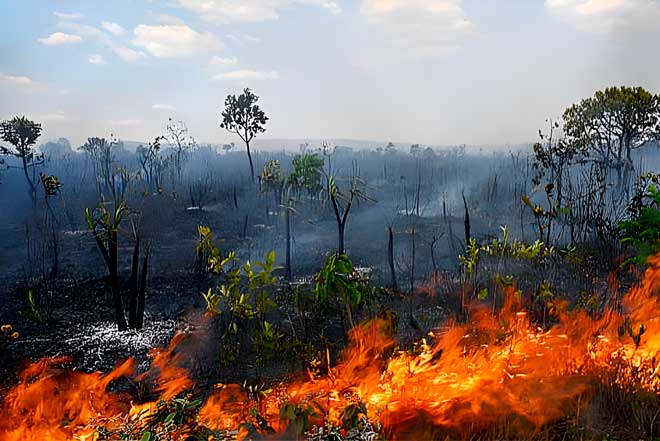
(412, 262)
(114, 282)
(142, 290)
(32, 189)
(340, 248)
(287, 219)
(133, 285)
(466, 222)
(390, 256)
(249, 155)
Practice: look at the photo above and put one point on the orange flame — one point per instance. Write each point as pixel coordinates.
(471, 376)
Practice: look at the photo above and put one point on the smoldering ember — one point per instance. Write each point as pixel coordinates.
(207, 234)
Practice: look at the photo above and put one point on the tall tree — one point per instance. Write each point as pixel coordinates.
(22, 134)
(243, 116)
(611, 124)
(180, 141)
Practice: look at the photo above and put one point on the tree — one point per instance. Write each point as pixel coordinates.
(611, 124)
(60, 148)
(307, 174)
(552, 161)
(342, 202)
(179, 139)
(274, 181)
(152, 163)
(22, 134)
(102, 154)
(271, 181)
(272, 177)
(243, 117)
(104, 222)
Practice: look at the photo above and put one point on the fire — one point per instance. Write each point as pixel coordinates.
(465, 378)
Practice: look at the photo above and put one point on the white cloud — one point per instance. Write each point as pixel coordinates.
(15, 81)
(602, 16)
(59, 38)
(247, 75)
(96, 59)
(243, 39)
(113, 28)
(81, 29)
(67, 16)
(129, 55)
(125, 53)
(165, 18)
(165, 107)
(419, 27)
(223, 63)
(173, 41)
(245, 11)
(11, 80)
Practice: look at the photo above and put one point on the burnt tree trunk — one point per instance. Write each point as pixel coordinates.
(390, 256)
(287, 220)
(133, 285)
(466, 221)
(142, 289)
(249, 155)
(114, 281)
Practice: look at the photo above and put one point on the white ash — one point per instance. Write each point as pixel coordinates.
(104, 345)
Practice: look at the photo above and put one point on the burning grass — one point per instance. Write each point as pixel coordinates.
(495, 377)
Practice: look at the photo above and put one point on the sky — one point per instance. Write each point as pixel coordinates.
(440, 72)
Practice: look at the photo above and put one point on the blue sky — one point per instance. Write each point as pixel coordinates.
(424, 71)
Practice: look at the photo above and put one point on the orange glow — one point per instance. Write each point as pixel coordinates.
(467, 376)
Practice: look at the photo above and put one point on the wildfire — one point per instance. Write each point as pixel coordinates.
(465, 377)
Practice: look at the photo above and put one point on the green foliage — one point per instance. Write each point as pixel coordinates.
(338, 279)
(299, 415)
(271, 176)
(22, 134)
(612, 122)
(502, 247)
(470, 260)
(34, 313)
(243, 116)
(208, 252)
(307, 174)
(256, 424)
(172, 420)
(51, 184)
(352, 415)
(268, 340)
(102, 221)
(243, 297)
(642, 229)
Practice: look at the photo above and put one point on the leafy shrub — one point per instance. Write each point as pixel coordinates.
(642, 229)
(338, 280)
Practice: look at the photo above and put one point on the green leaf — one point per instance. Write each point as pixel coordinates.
(169, 418)
(146, 436)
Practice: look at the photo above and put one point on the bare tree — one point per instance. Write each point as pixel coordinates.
(181, 142)
(342, 200)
